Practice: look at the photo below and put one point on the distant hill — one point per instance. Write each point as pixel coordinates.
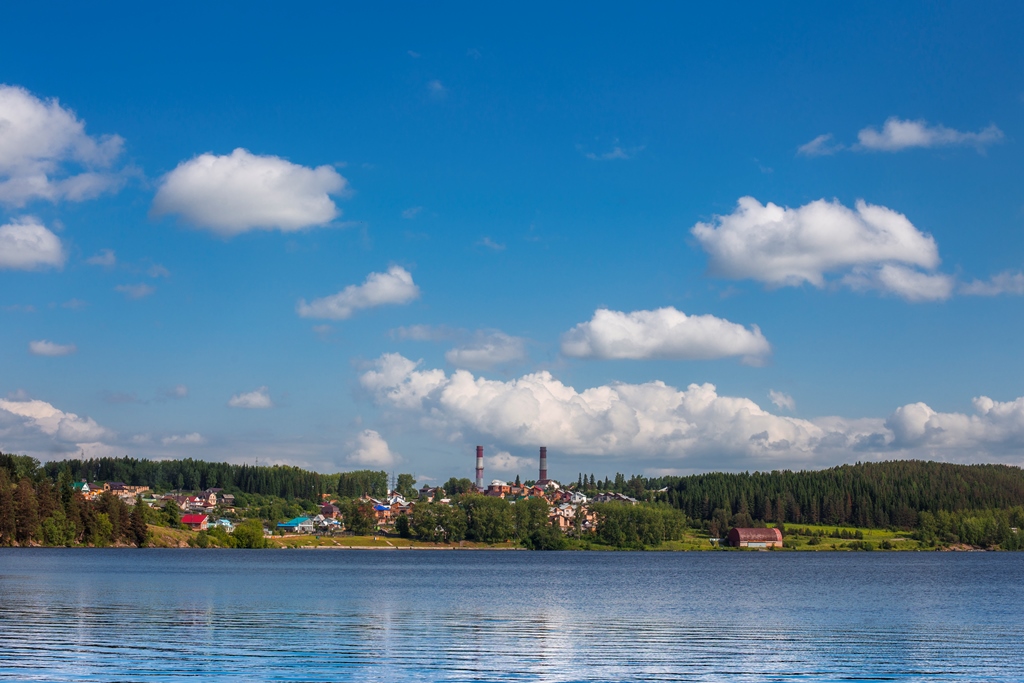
(876, 494)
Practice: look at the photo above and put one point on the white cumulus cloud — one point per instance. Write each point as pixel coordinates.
(241, 191)
(994, 430)
(664, 333)
(371, 450)
(26, 244)
(488, 350)
(695, 425)
(898, 134)
(503, 461)
(875, 247)
(43, 347)
(620, 419)
(256, 399)
(45, 152)
(393, 287)
(35, 426)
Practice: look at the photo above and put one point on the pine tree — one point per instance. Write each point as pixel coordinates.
(7, 527)
(140, 531)
(26, 512)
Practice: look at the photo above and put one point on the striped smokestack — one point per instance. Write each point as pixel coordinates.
(543, 463)
(479, 467)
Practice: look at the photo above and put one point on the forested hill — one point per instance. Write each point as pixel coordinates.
(869, 494)
(196, 475)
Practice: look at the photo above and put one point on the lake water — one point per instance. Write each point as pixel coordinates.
(351, 615)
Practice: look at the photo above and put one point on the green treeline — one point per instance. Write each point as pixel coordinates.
(495, 520)
(879, 494)
(47, 512)
(196, 475)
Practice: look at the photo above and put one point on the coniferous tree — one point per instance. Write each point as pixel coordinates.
(140, 531)
(26, 512)
(7, 525)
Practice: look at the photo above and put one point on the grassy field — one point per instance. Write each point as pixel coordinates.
(381, 542)
(899, 540)
(163, 537)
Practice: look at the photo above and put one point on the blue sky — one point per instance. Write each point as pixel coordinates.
(659, 241)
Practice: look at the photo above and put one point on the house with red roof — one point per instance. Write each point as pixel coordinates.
(196, 522)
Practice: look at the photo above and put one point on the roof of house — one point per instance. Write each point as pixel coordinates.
(193, 519)
(295, 522)
(755, 535)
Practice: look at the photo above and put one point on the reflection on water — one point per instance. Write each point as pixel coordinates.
(170, 615)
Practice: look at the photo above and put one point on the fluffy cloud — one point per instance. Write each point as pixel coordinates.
(257, 399)
(781, 400)
(36, 426)
(393, 287)
(1003, 283)
(503, 461)
(695, 425)
(912, 285)
(25, 244)
(873, 246)
(371, 450)
(995, 428)
(43, 347)
(42, 145)
(898, 134)
(663, 333)
(651, 419)
(242, 191)
(488, 350)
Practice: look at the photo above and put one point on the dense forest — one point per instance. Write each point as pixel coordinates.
(867, 495)
(196, 475)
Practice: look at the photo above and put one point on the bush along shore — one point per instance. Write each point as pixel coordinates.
(124, 502)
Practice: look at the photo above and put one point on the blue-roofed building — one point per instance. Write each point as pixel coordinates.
(299, 525)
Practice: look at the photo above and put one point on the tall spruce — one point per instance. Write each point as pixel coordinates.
(140, 531)
(7, 526)
(26, 512)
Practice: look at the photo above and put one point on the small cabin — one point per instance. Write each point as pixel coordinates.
(755, 538)
(196, 522)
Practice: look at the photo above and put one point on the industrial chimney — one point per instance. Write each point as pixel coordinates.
(480, 467)
(543, 465)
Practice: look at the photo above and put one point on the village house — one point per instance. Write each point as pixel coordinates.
(330, 511)
(298, 525)
(196, 522)
(614, 498)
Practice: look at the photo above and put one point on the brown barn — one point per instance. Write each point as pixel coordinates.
(755, 538)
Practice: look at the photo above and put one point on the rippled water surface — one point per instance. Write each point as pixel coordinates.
(340, 615)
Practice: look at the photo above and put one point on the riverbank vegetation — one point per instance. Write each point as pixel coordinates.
(901, 505)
